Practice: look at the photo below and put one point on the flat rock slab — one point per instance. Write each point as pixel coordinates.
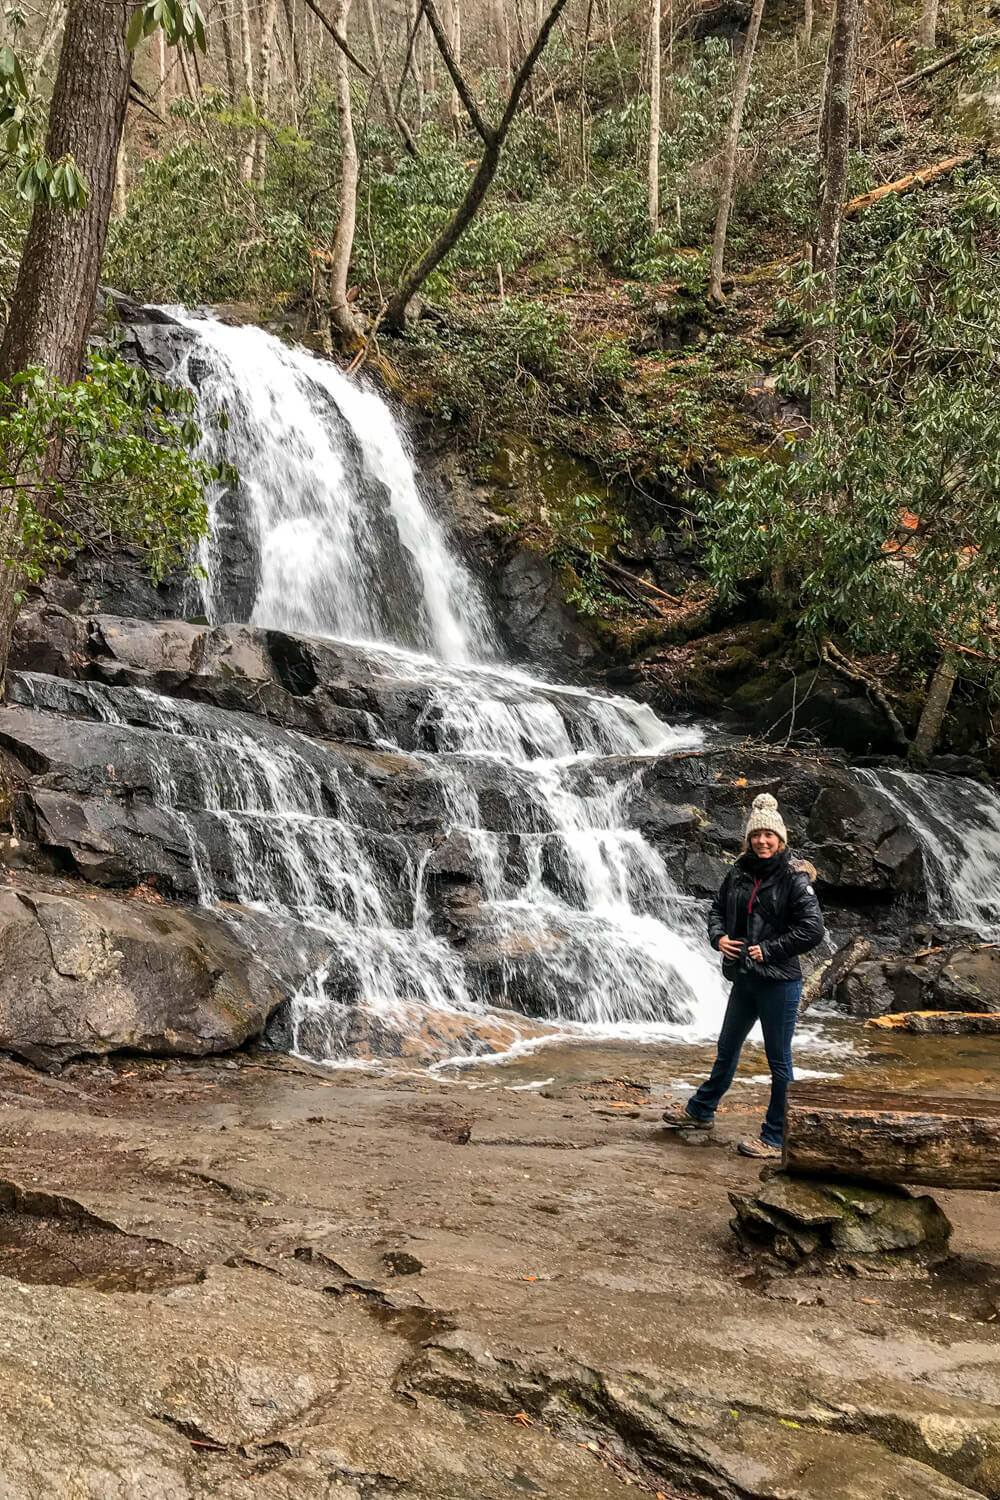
(410, 1287)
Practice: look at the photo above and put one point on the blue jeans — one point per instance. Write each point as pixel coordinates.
(776, 1005)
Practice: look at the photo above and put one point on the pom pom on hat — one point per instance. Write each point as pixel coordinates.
(764, 814)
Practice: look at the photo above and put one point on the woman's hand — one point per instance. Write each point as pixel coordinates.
(756, 953)
(730, 947)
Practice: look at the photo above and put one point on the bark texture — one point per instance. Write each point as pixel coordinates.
(900, 1138)
(729, 157)
(341, 313)
(653, 155)
(57, 281)
(835, 129)
(927, 33)
(935, 708)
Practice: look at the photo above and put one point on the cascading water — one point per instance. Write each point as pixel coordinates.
(342, 545)
(957, 823)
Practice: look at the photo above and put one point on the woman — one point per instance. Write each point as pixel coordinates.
(765, 915)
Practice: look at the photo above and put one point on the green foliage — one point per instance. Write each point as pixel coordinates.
(194, 232)
(883, 523)
(127, 474)
(583, 531)
(37, 179)
(182, 22)
(514, 366)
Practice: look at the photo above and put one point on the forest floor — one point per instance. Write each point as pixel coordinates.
(240, 1278)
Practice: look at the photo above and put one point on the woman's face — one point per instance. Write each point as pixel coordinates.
(764, 843)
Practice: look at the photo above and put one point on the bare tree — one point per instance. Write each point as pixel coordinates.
(456, 49)
(492, 137)
(54, 21)
(228, 47)
(655, 104)
(807, 25)
(341, 313)
(835, 131)
(267, 30)
(927, 33)
(393, 112)
(246, 50)
(715, 296)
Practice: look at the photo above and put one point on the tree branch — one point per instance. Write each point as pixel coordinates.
(341, 41)
(484, 131)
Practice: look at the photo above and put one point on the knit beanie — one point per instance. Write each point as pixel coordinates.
(764, 814)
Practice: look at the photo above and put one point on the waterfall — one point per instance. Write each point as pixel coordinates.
(579, 922)
(957, 822)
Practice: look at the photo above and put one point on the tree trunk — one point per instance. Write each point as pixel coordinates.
(121, 180)
(493, 140)
(161, 54)
(715, 296)
(341, 313)
(927, 33)
(807, 26)
(228, 47)
(50, 35)
(935, 708)
(296, 44)
(939, 1023)
(653, 160)
(456, 47)
(393, 115)
(835, 140)
(57, 280)
(824, 980)
(417, 58)
(267, 29)
(246, 49)
(901, 1138)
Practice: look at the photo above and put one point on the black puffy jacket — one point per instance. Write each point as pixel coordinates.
(785, 918)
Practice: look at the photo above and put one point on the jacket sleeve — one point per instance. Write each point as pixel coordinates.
(805, 923)
(717, 914)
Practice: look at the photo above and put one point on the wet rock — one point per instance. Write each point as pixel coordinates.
(868, 1229)
(846, 828)
(965, 978)
(834, 711)
(88, 974)
(57, 1438)
(535, 615)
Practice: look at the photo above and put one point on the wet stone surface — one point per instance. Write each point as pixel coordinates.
(452, 1290)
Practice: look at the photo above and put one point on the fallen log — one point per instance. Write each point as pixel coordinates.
(887, 1137)
(906, 184)
(829, 974)
(939, 1023)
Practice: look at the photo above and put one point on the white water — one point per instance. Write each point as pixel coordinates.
(957, 823)
(585, 927)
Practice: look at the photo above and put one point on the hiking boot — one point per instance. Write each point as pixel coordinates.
(676, 1117)
(753, 1146)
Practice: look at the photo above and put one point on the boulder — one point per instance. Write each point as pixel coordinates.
(953, 978)
(83, 974)
(869, 1229)
(831, 710)
(535, 615)
(695, 804)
